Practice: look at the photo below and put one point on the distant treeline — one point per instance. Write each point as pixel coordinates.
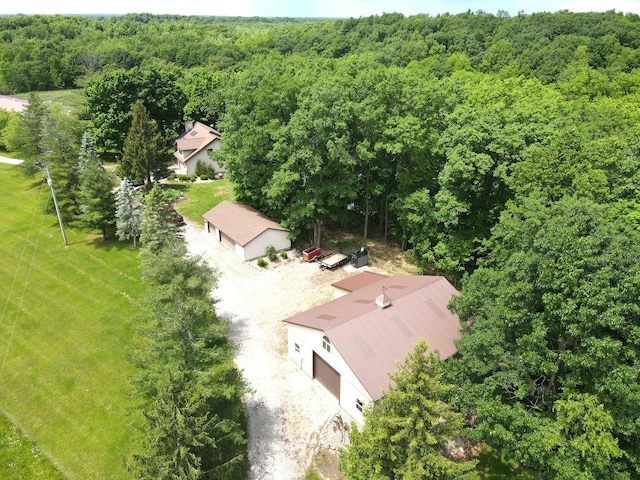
(58, 52)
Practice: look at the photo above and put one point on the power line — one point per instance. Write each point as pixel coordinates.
(24, 248)
(26, 282)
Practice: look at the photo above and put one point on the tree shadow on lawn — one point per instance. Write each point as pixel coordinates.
(181, 187)
(110, 244)
(37, 183)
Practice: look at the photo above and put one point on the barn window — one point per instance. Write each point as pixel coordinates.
(326, 343)
(359, 404)
(296, 347)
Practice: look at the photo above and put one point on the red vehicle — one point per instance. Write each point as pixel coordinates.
(175, 217)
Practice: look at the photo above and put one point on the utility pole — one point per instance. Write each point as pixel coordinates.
(55, 202)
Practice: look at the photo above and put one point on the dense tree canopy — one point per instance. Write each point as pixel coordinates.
(111, 96)
(549, 363)
(505, 145)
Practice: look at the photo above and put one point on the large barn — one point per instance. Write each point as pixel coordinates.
(351, 343)
(244, 230)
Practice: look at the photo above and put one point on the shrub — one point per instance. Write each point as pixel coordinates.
(262, 263)
(182, 177)
(271, 253)
(283, 255)
(171, 177)
(192, 177)
(204, 177)
(203, 168)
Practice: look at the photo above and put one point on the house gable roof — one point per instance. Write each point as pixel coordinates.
(240, 222)
(195, 140)
(372, 339)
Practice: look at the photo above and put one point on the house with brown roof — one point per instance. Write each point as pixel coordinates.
(351, 344)
(244, 230)
(195, 144)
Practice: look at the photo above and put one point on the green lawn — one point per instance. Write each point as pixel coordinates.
(201, 197)
(66, 327)
(21, 458)
(71, 99)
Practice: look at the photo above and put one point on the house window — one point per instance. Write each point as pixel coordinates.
(359, 404)
(296, 347)
(326, 343)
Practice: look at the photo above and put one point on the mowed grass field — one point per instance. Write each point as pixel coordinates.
(201, 197)
(67, 324)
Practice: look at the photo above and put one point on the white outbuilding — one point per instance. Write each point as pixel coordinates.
(244, 230)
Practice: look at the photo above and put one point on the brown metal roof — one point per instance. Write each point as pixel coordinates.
(373, 339)
(240, 222)
(195, 140)
(358, 281)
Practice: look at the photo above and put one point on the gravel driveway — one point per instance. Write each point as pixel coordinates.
(287, 410)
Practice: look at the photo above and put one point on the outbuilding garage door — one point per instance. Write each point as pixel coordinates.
(326, 375)
(226, 240)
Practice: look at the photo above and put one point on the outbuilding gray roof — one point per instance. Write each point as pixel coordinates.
(372, 339)
(240, 222)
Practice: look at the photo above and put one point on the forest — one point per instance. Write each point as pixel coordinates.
(500, 151)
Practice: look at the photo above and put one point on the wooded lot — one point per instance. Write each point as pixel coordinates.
(501, 151)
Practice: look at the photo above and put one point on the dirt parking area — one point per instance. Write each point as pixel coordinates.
(290, 416)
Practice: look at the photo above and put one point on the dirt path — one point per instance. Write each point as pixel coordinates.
(286, 410)
(11, 161)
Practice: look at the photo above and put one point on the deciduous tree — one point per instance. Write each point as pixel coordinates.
(549, 360)
(111, 96)
(316, 178)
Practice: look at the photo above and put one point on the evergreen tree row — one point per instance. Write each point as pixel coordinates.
(188, 387)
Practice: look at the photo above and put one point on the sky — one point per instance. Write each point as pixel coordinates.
(312, 8)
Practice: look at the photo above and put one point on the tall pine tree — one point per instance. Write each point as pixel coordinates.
(144, 150)
(405, 432)
(187, 383)
(97, 202)
(158, 231)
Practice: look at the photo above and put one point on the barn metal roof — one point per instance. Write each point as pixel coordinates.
(357, 281)
(240, 222)
(372, 339)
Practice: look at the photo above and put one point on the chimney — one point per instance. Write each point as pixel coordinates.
(382, 300)
(188, 125)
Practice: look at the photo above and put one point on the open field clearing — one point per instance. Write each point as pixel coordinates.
(67, 325)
